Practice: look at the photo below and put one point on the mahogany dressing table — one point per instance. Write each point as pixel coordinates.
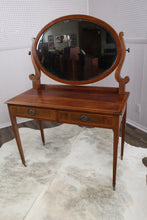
(75, 50)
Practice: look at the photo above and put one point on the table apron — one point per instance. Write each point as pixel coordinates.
(63, 116)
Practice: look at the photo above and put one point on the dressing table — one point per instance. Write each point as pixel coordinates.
(75, 50)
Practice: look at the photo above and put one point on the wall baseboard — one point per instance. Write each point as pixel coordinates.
(136, 125)
(19, 120)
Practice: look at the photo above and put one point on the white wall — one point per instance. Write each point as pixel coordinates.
(130, 17)
(20, 21)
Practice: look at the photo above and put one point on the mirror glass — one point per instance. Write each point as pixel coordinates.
(76, 50)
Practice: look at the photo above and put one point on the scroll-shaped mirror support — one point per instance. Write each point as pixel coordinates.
(119, 79)
(35, 77)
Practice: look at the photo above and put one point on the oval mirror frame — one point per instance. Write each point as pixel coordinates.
(74, 17)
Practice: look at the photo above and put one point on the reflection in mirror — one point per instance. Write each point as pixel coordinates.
(76, 50)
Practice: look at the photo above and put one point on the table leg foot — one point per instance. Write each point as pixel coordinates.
(24, 164)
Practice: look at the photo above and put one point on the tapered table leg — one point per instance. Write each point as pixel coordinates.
(123, 134)
(42, 132)
(17, 136)
(115, 149)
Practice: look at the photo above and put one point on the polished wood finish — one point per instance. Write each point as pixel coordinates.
(82, 98)
(82, 105)
(87, 106)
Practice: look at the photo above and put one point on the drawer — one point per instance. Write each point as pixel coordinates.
(34, 112)
(87, 119)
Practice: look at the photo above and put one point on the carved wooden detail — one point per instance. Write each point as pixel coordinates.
(119, 79)
(35, 77)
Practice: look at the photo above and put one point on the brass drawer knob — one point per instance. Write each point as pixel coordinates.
(84, 118)
(31, 112)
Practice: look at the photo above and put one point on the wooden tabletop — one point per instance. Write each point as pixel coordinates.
(77, 98)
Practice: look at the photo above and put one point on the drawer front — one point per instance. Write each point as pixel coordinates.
(86, 119)
(34, 112)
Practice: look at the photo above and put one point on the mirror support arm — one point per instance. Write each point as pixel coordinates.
(119, 79)
(35, 77)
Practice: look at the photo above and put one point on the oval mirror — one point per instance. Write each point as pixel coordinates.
(77, 49)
